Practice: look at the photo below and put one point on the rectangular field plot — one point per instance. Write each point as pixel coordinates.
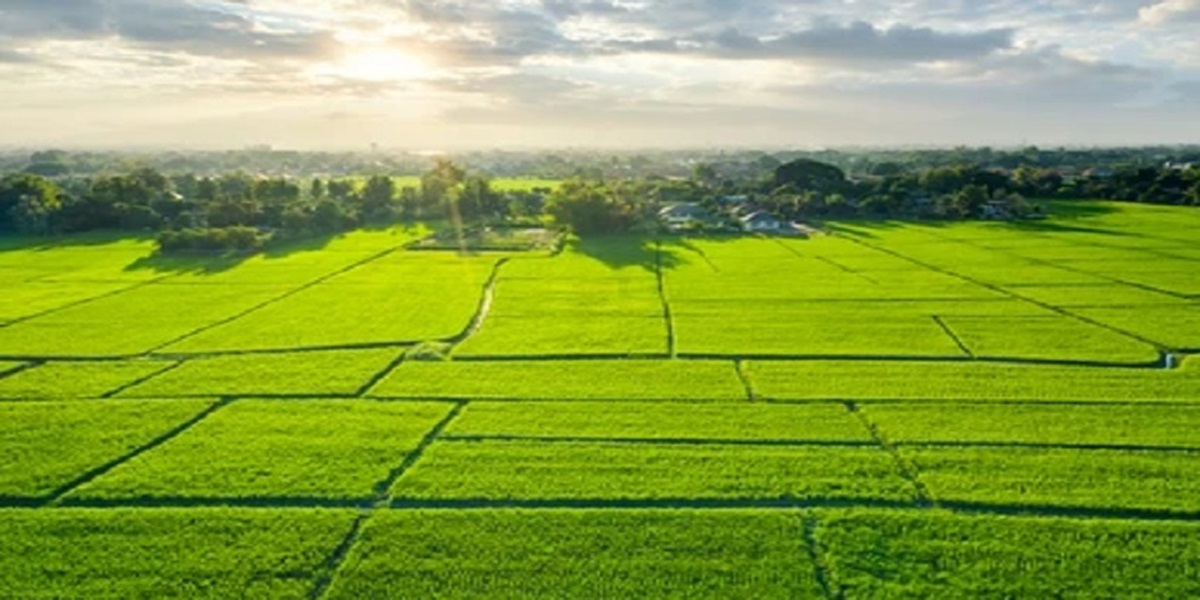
(741, 331)
(62, 380)
(1152, 426)
(7, 367)
(1172, 326)
(340, 372)
(852, 380)
(410, 300)
(665, 421)
(204, 553)
(285, 449)
(46, 445)
(579, 553)
(1099, 479)
(132, 322)
(566, 380)
(24, 299)
(875, 554)
(611, 471)
(576, 304)
(1048, 338)
(1082, 296)
(566, 334)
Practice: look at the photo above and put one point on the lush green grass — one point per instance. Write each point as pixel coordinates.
(132, 322)
(875, 554)
(45, 445)
(301, 373)
(410, 300)
(288, 449)
(1071, 297)
(564, 334)
(570, 554)
(1172, 326)
(1106, 479)
(814, 380)
(566, 380)
(599, 420)
(1065, 424)
(1048, 338)
(598, 470)
(59, 380)
(124, 553)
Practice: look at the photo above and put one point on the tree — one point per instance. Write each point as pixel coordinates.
(589, 208)
(805, 174)
(28, 203)
(379, 199)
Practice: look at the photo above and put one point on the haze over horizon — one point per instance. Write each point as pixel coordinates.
(337, 74)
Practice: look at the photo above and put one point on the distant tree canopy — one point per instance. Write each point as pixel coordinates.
(805, 174)
(591, 207)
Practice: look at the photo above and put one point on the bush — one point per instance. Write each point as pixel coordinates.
(217, 240)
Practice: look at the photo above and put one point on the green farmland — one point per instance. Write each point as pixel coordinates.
(915, 410)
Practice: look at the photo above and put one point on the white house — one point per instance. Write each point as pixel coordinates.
(683, 215)
(762, 221)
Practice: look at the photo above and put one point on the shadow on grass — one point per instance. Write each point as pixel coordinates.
(648, 252)
(1060, 218)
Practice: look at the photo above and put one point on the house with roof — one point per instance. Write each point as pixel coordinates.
(683, 215)
(761, 221)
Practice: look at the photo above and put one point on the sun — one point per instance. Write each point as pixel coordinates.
(382, 65)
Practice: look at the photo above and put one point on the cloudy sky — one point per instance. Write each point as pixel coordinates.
(450, 74)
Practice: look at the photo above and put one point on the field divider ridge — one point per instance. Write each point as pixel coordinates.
(636, 441)
(56, 496)
(381, 493)
(21, 368)
(954, 336)
(284, 296)
(1007, 292)
(378, 378)
(482, 310)
(83, 301)
(821, 570)
(825, 259)
(140, 380)
(907, 469)
(743, 374)
(661, 280)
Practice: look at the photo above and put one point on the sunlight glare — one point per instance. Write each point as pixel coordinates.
(382, 65)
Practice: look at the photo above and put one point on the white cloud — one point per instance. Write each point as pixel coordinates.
(1170, 12)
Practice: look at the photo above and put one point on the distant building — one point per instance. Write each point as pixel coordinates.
(762, 222)
(683, 215)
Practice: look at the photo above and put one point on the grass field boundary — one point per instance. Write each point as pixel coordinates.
(20, 368)
(954, 336)
(616, 504)
(821, 571)
(739, 367)
(290, 350)
(934, 444)
(140, 380)
(661, 280)
(640, 441)
(83, 301)
(825, 259)
(66, 489)
(907, 470)
(381, 499)
(486, 299)
(1066, 266)
(333, 562)
(1007, 292)
(378, 378)
(288, 294)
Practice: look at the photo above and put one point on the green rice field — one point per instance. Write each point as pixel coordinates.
(912, 410)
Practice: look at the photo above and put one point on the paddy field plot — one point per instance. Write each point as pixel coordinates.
(889, 410)
(598, 554)
(47, 445)
(59, 380)
(275, 449)
(611, 380)
(873, 554)
(193, 553)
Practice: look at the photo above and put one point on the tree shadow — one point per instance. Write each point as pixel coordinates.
(12, 242)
